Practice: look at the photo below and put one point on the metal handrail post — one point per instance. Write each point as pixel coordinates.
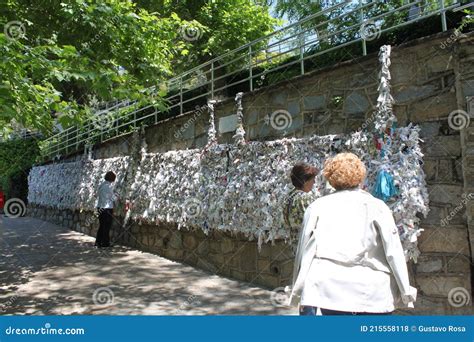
(301, 46)
(250, 68)
(364, 43)
(444, 24)
(181, 95)
(67, 142)
(212, 80)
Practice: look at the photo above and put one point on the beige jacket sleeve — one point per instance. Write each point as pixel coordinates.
(394, 254)
(304, 254)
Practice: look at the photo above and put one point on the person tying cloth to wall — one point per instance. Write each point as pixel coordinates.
(105, 206)
(349, 258)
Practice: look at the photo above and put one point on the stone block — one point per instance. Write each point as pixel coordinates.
(445, 171)
(435, 216)
(217, 260)
(356, 102)
(442, 146)
(447, 240)
(435, 107)
(267, 280)
(176, 240)
(426, 305)
(281, 252)
(233, 261)
(278, 98)
(206, 265)
(294, 108)
(286, 269)
(248, 257)
(445, 194)
(251, 118)
(263, 266)
(429, 129)
(190, 242)
(413, 93)
(237, 275)
(296, 124)
(430, 167)
(265, 251)
(215, 246)
(429, 264)
(314, 102)
(203, 248)
(227, 246)
(458, 264)
(441, 285)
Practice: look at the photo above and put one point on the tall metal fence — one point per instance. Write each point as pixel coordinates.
(293, 50)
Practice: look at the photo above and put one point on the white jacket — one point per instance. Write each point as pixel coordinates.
(106, 195)
(346, 231)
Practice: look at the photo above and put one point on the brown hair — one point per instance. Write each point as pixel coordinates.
(110, 176)
(301, 173)
(344, 171)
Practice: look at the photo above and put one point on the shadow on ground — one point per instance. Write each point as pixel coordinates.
(48, 270)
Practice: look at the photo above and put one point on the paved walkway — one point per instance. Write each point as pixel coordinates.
(48, 270)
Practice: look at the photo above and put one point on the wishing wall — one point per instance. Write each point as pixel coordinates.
(241, 187)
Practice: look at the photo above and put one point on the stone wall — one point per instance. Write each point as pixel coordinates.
(430, 79)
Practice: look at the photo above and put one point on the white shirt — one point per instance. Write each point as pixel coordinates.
(350, 257)
(106, 196)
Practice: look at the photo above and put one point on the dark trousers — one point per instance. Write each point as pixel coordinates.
(311, 311)
(105, 222)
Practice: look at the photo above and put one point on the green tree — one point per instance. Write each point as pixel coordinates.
(59, 59)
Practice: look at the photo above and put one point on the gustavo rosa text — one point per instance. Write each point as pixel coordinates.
(449, 328)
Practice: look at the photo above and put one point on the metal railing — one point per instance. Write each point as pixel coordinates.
(245, 68)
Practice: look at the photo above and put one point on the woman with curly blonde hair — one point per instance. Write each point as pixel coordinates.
(349, 258)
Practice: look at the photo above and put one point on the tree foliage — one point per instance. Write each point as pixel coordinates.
(61, 58)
